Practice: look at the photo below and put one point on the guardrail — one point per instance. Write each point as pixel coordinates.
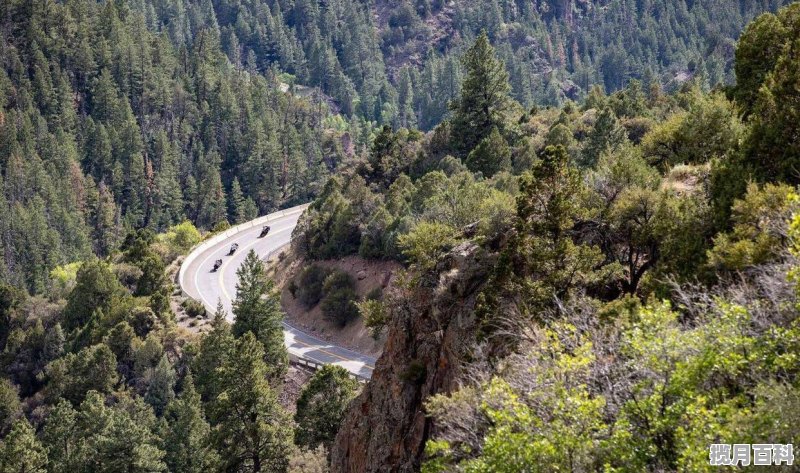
(315, 365)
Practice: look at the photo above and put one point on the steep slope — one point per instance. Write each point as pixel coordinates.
(428, 344)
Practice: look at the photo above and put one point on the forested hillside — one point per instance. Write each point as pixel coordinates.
(604, 286)
(110, 122)
(132, 114)
(594, 204)
(397, 62)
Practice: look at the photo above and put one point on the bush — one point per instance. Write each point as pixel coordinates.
(182, 237)
(427, 243)
(309, 288)
(194, 308)
(63, 279)
(143, 320)
(309, 461)
(128, 274)
(375, 315)
(221, 226)
(339, 300)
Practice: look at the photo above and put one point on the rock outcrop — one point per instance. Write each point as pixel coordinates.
(429, 340)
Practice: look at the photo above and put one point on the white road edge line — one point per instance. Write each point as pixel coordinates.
(210, 243)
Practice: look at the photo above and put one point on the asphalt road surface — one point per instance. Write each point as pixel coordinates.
(210, 287)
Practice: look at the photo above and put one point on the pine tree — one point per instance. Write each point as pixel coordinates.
(168, 198)
(187, 435)
(105, 218)
(251, 430)
(21, 451)
(237, 203)
(160, 391)
(773, 147)
(211, 205)
(606, 135)
(757, 52)
(96, 288)
(115, 438)
(322, 404)
(491, 156)
(53, 343)
(10, 407)
(137, 192)
(59, 435)
(120, 340)
(541, 262)
(215, 349)
(258, 310)
(484, 97)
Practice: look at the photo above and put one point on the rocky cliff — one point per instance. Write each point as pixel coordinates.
(428, 343)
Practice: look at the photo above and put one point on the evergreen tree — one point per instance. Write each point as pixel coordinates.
(105, 218)
(96, 289)
(72, 376)
(60, 436)
(21, 451)
(483, 101)
(53, 343)
(161, 388)
(187, 435)
(118, 438)
(215, 349)
(757, 52)
(236, 203)
(251, 429)
(168, 197)
(10, 407)
(322, 404)
(257, 310)
(773, 147)
(491, 156)
(542, 263)
(606, 135)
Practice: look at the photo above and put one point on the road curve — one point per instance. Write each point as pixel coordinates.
(198, 282)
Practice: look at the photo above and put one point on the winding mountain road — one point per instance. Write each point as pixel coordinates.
(198, 282)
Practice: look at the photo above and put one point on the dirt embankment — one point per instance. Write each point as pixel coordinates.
(367, 275)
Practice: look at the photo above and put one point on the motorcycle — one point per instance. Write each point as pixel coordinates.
(234, 247)
(264, 230)
(217, 264)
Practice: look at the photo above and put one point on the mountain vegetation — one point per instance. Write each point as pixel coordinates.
(595, 203)
(612, 281)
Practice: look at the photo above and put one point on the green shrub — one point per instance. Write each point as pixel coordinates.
(309, 288)
(221, 226)
(339, 300)
(63, 278)
(375, 315)
(179, 239)
(427, 243)
(193, 308)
